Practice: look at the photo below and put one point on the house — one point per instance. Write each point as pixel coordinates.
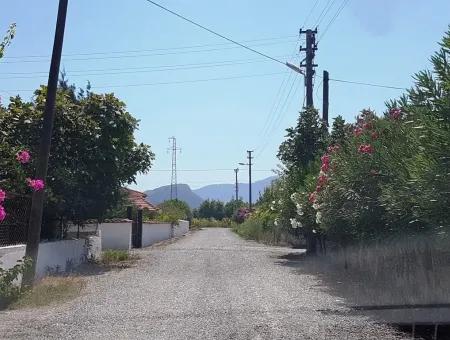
(138, 201)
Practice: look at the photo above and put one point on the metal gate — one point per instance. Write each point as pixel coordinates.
(136, 230)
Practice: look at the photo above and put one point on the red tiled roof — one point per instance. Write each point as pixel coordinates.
(137, 198)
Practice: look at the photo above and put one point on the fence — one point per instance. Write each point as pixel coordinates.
(13, 229)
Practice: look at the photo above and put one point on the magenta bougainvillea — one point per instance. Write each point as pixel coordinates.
(23, 156)
(35, 184)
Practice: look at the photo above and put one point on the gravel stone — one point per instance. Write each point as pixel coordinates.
(209, 284)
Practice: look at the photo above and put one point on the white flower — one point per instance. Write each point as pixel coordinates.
(318, 217)
(316, 206)
(274, 202)
(314, 231)
(275, 222)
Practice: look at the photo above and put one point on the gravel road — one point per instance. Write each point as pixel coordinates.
(209, 284)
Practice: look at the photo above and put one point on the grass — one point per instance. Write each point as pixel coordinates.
(115, 258)
(199, 223)
(254, 230)
(50, 290)
(408, 271)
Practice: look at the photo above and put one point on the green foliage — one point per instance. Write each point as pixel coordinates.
(199, 223)
(10, 289)
(173, 210)
(304, 141)
(111, 256)
(232, 206)
(93, 151)
(10, 33)
(211, 209)
(338, 131)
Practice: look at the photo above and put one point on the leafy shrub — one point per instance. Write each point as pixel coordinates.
(111, 256)
(173, 210)
(10, 289)
(199, 223)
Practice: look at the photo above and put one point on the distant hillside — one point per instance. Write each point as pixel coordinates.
(185, 194)
(225, 192)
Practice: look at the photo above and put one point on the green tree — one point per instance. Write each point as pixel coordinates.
(174, 210)
(338, 131)
(304, 141)
(232, 206)
(211, 209)
(93, 151)
(10, 33)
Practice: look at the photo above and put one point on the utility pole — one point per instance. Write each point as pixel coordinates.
(249, 157)
(237, 185)
(37, 202)
(326, 79)
(173, 180)
(309, 65)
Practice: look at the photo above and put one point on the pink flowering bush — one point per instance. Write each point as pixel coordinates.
(35, 184)
(23, 156)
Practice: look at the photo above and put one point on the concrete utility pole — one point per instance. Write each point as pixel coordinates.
(249, 157)
(309, 65)
(237, 185)
(326, 79)
(37, 203)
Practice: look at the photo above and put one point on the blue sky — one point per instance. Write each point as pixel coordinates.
(216, 121)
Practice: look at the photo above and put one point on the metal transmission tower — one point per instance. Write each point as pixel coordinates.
(236, 188)
(308, 63)
(173, 181)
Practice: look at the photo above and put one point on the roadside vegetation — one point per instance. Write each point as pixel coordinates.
(49, 291)
(380, 178)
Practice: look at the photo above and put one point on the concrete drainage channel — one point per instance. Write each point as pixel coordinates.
(421, 321)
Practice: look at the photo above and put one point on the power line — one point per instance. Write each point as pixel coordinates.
(202, 170)
(170, 82)
(368, 84)
(148, 50)
(310, 12)
(214, 32)
(344, 3)
(326, 12)
(137, 55)
(219, 62)
(134, 70)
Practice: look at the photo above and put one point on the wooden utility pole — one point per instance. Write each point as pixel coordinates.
(326, 79)
(309, 65)
(37, 203)
(236, 189)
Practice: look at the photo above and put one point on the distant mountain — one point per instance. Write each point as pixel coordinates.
(221, 192)
(225, 192)
(185, 194)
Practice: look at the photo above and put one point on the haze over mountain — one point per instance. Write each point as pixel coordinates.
(185, 194)
(221, 192)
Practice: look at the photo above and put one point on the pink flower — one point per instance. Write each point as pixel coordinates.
(325, 159)
(2, 213)
(333, 148)
(35, 184)
(322, 180)
(312, 197)
(395, 113)
(368, 126)
(23, 156)
(357, 132)
(374, 135)
(365, 148)
(325, 167)
(2, 196)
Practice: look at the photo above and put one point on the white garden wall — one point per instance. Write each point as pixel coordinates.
(181, 229)
(116, 235)
(58, 256)
(155, 232)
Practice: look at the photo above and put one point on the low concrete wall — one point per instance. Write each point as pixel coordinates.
(155, 232)
(181, 229)
(58, 256)
(116, 235)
